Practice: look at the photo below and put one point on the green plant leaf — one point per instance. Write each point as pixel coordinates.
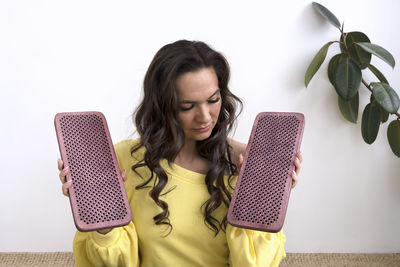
(332, 66)
(384, 113)
(359, 55)
(378, 51)
(327, 14)
(349, 109)
(347, 79)
(386, 97)
(393, 135)
(316, 63)
(377, 73)
(371, 119)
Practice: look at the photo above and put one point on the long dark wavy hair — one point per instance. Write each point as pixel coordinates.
(156, 120)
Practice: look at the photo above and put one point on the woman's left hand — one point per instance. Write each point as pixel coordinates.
(297, 163)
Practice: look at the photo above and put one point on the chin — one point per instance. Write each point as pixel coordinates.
(201, 137)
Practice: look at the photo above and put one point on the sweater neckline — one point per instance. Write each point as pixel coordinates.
(182, 173)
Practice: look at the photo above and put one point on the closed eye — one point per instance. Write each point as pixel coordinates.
(187, 105)
(214, 100)
(186, 108)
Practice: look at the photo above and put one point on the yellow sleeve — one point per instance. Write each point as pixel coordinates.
(254, 248)
(119, 247)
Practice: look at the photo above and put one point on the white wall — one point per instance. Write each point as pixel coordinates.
(60, 56)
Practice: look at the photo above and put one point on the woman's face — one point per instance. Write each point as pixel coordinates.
(199, 103)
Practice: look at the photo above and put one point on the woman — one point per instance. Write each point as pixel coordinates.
(181, 173)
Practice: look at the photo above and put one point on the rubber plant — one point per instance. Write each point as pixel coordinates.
(345, 74)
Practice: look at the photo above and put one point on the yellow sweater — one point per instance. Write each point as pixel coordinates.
(191, 243)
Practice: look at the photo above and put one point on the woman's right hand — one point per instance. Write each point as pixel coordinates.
(64, 171)
(63, 177)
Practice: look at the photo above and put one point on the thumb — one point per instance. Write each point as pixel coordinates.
(240, 161)
(123, 175)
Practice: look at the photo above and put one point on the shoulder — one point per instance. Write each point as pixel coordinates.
(125, 145)
(123, 150)
(237, 148)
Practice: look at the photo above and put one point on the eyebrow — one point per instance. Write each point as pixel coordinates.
(192, 102)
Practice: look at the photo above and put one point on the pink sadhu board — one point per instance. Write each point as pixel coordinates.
(262, 190)
(97, 196)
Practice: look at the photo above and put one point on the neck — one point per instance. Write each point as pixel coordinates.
(188, 152)
(190, 159)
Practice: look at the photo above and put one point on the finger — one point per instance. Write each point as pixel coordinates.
(104, 231)
(294, 179)
(60, 164)
(123, 175)
(63, 175)
(65, 188)
(300, 156)
(297, 164)
(240, 161)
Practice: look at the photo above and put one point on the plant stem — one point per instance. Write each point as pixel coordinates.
(343, 35)
(342, 43)
(369, 88)
(366, 85)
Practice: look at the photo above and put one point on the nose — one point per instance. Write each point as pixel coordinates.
(203, 114)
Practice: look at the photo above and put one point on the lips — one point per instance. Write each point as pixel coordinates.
(203, 129)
